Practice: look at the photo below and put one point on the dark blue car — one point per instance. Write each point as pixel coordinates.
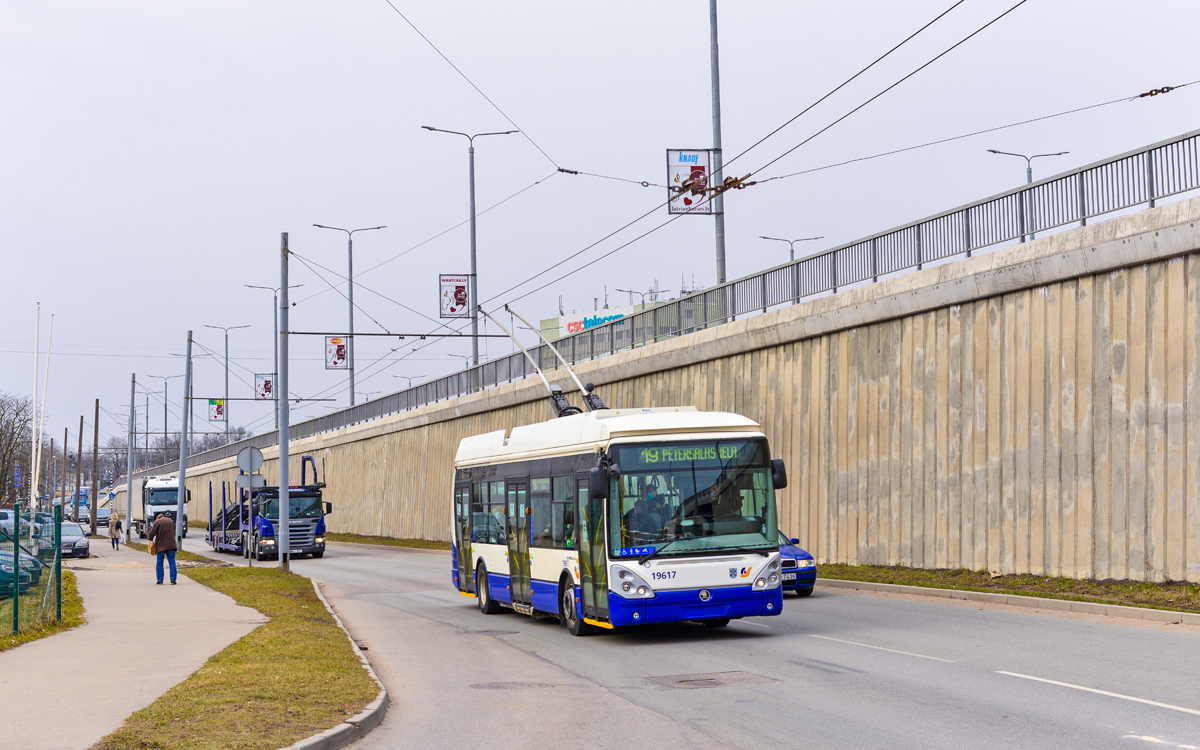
(799, 568)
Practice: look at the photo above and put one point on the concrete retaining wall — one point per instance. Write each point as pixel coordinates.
(1035, 409)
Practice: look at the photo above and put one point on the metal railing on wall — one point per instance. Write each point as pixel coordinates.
(1141, 176)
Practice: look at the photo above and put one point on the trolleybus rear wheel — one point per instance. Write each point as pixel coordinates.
(486, 604)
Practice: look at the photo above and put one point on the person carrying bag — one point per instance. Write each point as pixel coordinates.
(162, 544)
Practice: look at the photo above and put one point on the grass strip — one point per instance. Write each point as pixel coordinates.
(72, 609)
(290, 678)
(1173, 595)
(388, 541)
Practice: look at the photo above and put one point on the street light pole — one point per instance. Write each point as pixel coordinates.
(1028, 178)
(791, 244)
(474, 266)
(275, 340)
(225, 405)
(719, 199)
(350, 296)
(165, 378)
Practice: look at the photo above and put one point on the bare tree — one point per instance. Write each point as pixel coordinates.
(16, 424)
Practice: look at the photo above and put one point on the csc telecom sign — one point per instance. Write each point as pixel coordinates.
(586, 322)
(688, 173)
(455, 296)
(335, 353)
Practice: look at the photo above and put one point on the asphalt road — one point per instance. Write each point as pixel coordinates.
(835, 670)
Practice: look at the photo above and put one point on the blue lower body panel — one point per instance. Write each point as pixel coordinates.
(544, 596)
(498, 588)
(674, 606)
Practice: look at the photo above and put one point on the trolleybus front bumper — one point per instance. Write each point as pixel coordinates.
(695, 604)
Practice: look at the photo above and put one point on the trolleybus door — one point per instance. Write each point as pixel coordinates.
(462, 536)
(593, 567)
(518, 540)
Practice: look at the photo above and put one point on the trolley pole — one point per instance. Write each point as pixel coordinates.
(282, 539)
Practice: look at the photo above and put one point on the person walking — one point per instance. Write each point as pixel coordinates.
(162, 536)
(114, 532)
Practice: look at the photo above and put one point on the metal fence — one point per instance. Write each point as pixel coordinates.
(1163, 169)
(30, 569)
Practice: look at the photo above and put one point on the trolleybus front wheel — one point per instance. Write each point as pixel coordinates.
(486, 604)
(568, 614)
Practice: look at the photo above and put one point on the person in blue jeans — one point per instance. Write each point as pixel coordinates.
(162, 533)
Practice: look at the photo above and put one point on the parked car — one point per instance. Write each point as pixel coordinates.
(74, 540)
(29, 565)
(8, 521)
(6, 580)
(799, 568)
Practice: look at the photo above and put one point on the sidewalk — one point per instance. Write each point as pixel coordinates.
(69, 690)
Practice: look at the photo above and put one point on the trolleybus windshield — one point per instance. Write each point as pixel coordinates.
(698, 496)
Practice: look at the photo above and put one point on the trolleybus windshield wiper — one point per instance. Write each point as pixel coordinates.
(746, 550)
(656, 551)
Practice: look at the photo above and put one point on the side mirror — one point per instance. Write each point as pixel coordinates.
(328, 508)
(795, 541)
(778, 473)
(598, 478)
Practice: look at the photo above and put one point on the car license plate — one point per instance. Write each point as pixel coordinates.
(295, 552)
(789, 576)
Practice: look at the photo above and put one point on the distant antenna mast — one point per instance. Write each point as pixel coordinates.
(562, 407)
(591, 399)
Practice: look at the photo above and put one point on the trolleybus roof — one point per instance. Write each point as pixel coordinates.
(592, 430)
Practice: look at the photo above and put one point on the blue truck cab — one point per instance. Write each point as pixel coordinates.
(250, 525)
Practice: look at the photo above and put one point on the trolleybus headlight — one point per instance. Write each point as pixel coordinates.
(774, 578)
(626, 586)
(641, 590)
(631, 584)
(761, 583)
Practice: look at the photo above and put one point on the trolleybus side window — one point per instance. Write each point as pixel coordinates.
(486, 529)
(496, 509)
(553, 512)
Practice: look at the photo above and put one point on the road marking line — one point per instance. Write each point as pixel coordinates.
(755, 624)
(1103, 692)
(881, 648)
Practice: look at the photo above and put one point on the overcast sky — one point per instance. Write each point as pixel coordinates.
(153, 152)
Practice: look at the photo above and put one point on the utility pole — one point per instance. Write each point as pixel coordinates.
(283, 539)
(350, 296)
(225, 405)
(129, 455)
(96, 467)
(719, 199)
(183, 446)
(65, 482)
(79, 469)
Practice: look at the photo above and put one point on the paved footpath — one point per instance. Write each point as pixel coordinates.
(71, 689)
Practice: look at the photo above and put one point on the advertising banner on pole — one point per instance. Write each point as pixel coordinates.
(688, 173)
(216, 410)
(335, 353)
(455, 299)
(264, 386)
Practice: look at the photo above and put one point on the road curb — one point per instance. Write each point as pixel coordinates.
(1017, 600)
(358, 726)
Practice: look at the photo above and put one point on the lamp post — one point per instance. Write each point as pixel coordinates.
(165, 378)
(408, 378)
(274, 339)
(474, 270)
(350, 296)
(791, 243)
(1028, 178)
(225, 405)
